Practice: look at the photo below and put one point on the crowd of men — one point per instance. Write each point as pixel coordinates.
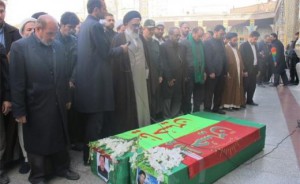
(79, 82)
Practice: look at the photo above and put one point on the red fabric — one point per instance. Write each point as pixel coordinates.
(214, 144)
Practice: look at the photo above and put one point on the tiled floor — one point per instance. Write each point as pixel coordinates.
(278, 108)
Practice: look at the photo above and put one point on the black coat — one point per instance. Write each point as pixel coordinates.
(93, 78)
(39, 91)
(177, 64)
(70, 45)
(11, 34)
(280, 58)
(125, 114)
(215, 57)
(248, 56)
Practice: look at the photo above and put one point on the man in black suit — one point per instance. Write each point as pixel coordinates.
(216, 70)
(93, 75)
(250, 58)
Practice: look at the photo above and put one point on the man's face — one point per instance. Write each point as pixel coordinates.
(206, 37)
(176, 36)
(68, 29)
(47, 34)
(101, 12)
(159, 31)
(109, 22)
(185, 28)
(2, 14)
(134, 25)
(253, 40)
(148, 32)
(28, 29)
(268, 40)
(272, 38)
(233, 41)
(219, 34)
(197, 36)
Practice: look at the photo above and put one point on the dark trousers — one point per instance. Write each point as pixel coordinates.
(156, 103)
(263, 73)
(250, 84)
(283, 76)
(293, 72)
(40, 164)
(213, 93)
(171, 107)
(96, 126)
(187, 97)
(198, 96)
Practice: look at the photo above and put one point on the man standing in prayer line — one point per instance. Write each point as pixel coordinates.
(68, 23)
(155, 69)
(40, 97)
(249, 53)
(130, 74)
(177, 69)
(198, 77)
(93, 75)
(233, 96)
(6, 107)
(215, 62)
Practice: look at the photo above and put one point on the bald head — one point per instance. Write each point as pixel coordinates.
(44, 20)
(46, 29)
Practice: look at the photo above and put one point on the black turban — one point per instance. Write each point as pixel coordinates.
(131, 15)
(230, 35)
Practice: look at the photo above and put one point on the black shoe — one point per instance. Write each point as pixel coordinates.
(24, 168)
(207, 110)
(261, 85)
(252, 103)
(219, 111)
(77, 147)
(69, 175)
(227, 109)
(3, 178)
(86, 163)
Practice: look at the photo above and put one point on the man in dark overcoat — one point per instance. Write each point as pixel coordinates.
(40, 94)
(6, 107)
(278, 60)
(93, 78)
(216, 70)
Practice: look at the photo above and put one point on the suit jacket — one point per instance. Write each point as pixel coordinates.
(248, 56)
(93, 75)
(215, 57)
(11, 34)
(40, 91)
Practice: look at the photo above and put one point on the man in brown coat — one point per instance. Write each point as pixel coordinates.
(233, 96)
